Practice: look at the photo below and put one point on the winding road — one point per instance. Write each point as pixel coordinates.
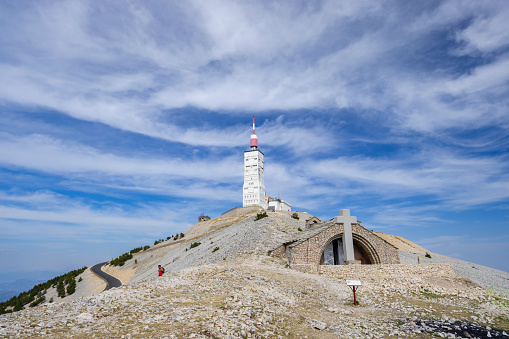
(111, 281)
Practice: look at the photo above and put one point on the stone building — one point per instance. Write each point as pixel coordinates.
(276, 204)
(202, 218)
(322, 244)
(312, 222)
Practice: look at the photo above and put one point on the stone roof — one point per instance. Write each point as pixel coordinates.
(305, 235)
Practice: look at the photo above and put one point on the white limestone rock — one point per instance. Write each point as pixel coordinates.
(84, 318)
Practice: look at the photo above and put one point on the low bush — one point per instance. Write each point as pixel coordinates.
(295, 216)
(178, 236)
(71, 286)
(61, 289)
(36, 295)
(120, 261)
(136, 250)
(261, 216)
(195, 244)
(37, 301)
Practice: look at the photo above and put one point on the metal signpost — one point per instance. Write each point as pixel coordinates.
(354, 285)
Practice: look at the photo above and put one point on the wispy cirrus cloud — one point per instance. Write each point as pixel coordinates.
(239, 69)
(52, 155)
(397, 109)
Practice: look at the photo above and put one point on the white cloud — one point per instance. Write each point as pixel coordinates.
(486, 33)
(64, 217)
(455, 180)
(51, 155)
(415, 71)
(245, 57)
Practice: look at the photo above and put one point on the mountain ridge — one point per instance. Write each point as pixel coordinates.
(205, 272)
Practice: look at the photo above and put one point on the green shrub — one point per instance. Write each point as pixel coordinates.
(40, 299)
(81, 279)
(146, 247)
(295, 216)
(136, 250)
(215, 249)
(61, 289)
(36, 295)
(71, 287)
(427, 255)
(261, 215)
(120, 261)
(18, 307)
(299, 229)
(177, 236)
(195, 244)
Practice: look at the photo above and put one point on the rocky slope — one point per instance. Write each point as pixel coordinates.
(228, 286)
(402, 243)
(256, 296)
(233, 233)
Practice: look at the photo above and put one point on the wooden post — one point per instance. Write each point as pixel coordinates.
(354, 285)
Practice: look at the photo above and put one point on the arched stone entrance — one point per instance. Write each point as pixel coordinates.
(332, 253)
(306, 251)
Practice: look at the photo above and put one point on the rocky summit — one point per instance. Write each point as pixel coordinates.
(228, 287)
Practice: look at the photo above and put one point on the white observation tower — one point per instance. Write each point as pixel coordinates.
(254, 187)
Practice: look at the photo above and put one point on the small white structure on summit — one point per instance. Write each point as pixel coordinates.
(254, 187)
(276, 204)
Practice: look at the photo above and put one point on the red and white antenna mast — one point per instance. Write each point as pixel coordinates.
(254, 138)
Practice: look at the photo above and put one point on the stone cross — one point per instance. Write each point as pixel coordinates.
(347, 220)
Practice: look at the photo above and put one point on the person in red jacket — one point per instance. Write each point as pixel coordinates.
(160, 270)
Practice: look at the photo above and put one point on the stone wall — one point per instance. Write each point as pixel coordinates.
(279, 252)
(310, 251)
(305, 268)
(384, 270)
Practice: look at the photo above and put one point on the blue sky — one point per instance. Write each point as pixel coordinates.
(121, 122)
